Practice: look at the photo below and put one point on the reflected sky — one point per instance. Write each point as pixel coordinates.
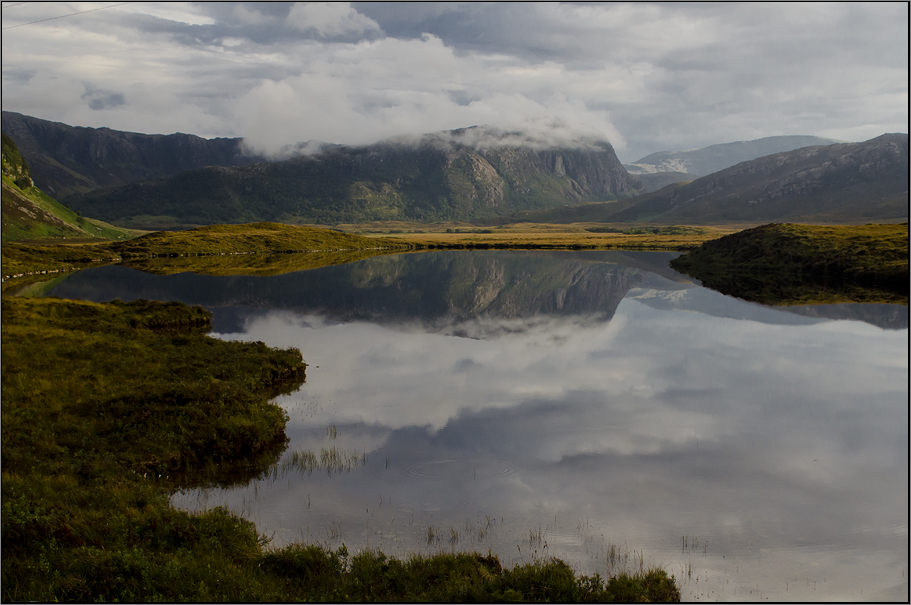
(781, 451)
(753, 452)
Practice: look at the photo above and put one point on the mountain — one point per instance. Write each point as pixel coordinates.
(445, 176)
(705, 161)
(653, 181)
(29, 214)
(838, 183)
(65, 160)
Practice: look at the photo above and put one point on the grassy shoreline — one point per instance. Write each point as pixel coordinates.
(109, 407)
(535, 236)
(271, 248)
(784, 263)
(270, 241)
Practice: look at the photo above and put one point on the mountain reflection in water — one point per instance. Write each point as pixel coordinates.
(557, 404)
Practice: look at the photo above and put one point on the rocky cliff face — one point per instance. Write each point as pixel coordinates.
(422, 180)
(14, 165)
(839, 183)
(67, 160)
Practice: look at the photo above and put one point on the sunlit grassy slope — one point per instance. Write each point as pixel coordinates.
(30, 214)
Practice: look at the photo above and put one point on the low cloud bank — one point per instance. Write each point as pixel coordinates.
(539, 135)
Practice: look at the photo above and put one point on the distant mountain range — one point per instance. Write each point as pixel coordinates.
(663, 168)
(838, 183)
(66, 160)
(704, 161)
(433, 178)
(473, 174)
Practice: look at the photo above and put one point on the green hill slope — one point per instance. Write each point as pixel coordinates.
(30, 214)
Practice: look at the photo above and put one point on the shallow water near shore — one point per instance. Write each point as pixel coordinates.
(596, 407)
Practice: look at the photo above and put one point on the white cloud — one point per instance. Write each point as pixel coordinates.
(357, 94)
(180, 12)
(646, 76)
(330, 19)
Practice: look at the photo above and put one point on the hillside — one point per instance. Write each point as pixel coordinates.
(839, 183)
(788, 263)
(437, 177)
(654, 181)
(65, 159)
(30, 214)
(705, 161)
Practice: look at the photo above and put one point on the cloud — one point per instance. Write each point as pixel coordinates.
(647, 77)
(358, 94)
(330, 19)
(102, 99)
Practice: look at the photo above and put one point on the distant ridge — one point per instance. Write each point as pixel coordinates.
(442, 176)
(65, 160)
(705, 161)
(837, 183)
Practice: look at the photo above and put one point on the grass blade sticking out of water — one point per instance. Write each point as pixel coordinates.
(331, 460)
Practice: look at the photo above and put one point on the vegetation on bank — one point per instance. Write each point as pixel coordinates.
(799, 264)
(107, 408)
(239, 239)
(252, 264)
(544, 236)
(253, 248)
(217, 240)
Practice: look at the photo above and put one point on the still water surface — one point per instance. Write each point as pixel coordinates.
(560, 404)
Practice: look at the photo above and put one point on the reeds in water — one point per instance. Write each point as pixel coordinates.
(331, 460)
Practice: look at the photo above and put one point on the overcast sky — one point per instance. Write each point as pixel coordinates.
(647, 77)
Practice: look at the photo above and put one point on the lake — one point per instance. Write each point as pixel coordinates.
(594, 406)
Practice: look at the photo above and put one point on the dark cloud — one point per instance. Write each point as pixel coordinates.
(102, 99)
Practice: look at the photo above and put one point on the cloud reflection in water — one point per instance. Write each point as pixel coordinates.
(779, 445)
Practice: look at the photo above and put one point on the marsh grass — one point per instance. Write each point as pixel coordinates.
(335, 575)
(576, 236)
(331, 460)
(104, 407)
